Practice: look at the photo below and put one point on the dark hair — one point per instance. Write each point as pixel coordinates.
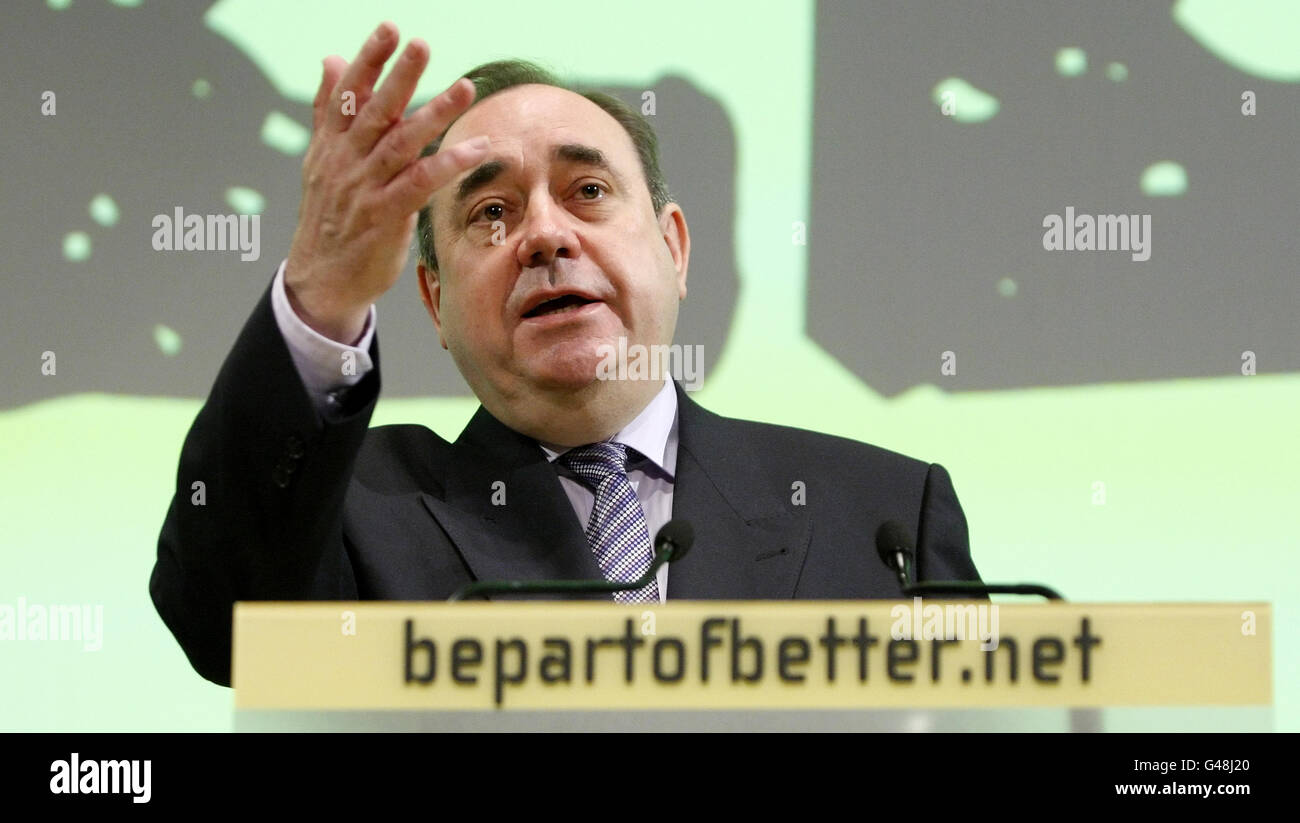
(500, 75)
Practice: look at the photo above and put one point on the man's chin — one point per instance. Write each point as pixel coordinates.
(569, 375)
(572, 365)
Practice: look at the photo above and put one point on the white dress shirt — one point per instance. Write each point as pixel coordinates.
(653, 433)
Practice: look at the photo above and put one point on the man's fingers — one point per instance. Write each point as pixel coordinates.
(412, 189)
(332, 69)
(357, 83)
(404, 142)
(386, 106)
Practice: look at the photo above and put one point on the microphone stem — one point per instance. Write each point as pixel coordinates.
(490, 587)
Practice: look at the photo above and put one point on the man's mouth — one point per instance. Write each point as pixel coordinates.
(559, 305)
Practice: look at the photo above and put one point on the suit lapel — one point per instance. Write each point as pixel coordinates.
(750, 543)
(535, 534)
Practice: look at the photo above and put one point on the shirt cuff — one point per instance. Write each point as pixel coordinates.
(322, 363)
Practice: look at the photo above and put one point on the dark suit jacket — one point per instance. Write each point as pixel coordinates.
(300, 507)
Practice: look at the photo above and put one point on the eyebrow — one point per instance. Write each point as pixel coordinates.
(566, 152)
(477, 179)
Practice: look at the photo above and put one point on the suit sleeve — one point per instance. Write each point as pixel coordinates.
(943, 544)
(317, 358)
(257, 513)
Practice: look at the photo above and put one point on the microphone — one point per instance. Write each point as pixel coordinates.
(671, 544)
(894, 545)
(896, 549)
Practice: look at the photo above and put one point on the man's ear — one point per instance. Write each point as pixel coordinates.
(672, 224)
(431, 293)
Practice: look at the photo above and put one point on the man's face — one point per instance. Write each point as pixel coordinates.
(549, 249)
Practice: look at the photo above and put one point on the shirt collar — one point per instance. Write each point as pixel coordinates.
(647, 433)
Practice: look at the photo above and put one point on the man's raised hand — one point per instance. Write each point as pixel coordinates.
(363, 181)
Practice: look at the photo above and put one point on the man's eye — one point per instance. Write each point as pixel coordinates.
(492, 211)
(591, 191)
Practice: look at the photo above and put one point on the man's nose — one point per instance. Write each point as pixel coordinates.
(548, 234)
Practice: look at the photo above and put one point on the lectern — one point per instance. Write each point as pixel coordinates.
(916, 665)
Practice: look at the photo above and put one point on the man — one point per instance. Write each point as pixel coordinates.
(546, 236)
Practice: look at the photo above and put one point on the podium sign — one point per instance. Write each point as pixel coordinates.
(764, 655)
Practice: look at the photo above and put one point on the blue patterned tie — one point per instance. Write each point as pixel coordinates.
(617, 531)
